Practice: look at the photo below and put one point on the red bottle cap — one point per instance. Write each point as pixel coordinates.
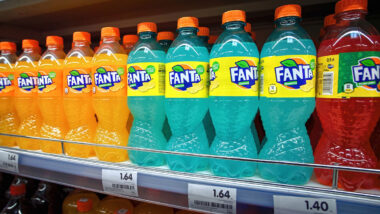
(17, 189)
(84, 205)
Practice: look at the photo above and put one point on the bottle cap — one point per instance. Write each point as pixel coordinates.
(187, 22)
(146, 27)
(17, 189)
(329, 20)
(287, 10)
(233, 15)
(248, 27)
(30, 43)
(130, 38)
(212, 39)
(8, 46)
(82, 36)
(347, 5)
(54, 40)
(203, 31)
(84, 205)
(165, 35)
(110, 31)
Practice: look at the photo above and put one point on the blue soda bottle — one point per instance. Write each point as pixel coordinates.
(287, 97)
(146, 89)
(233, 97)
(186, 97)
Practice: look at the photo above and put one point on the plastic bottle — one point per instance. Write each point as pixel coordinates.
(45, 199)
(85, 206)
(50, 100)
(165, 38)
(111, 205)
(8, 116)
(69, 205)
(129, 41)
(145, 208)
(212, 39)
(26, 103)
(17, 204)
(328, 23)
(77, 93)
(233, 96)
(348, 97)
(146, 88)
(110, 96)
(186, 99)
(287, 97)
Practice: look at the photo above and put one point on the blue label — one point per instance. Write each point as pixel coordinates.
(244, 74)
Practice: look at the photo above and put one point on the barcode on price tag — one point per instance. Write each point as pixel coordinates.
(9, 161)
(120, 182)
(213, 199)
(302, 205)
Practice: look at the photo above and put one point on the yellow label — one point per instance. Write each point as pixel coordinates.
(186, 80)
(350, 74)
(234, 76)
(146, 79)
(288, 76)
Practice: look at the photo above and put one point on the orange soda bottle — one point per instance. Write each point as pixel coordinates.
(50, 100)
(77, 95)
(110, 96)
(8, 115)
(85, 206)
(111, 205)
(26, 95)
(69, 205)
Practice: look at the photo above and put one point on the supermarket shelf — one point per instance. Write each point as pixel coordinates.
(160, 185)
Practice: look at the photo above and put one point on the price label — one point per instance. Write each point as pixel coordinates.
(120, 182)
(213, 199)
(9, 161)
(295, 205)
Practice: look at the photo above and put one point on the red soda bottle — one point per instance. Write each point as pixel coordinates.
(348, 97)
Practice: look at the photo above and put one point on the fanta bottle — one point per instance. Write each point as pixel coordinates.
(26, 103)
(328, 22)
(212, 39)
(69, 205)
(287, 97)
(146, 89)
(8, 115)
(111, 205)
(145, 208)
(348, 97)
(110, 96)
(77, 93)
(129, 41)
(186, 96)
(50, 100)
(165, 38)
(233, 96)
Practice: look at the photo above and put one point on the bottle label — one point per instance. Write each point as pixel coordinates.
(77, 82)
(146, 79)
(7, 83)
(186, 80)
(351, 74)
(49, 82)
(288, 76)
(26, 83)
(234, 76)
(110, 80)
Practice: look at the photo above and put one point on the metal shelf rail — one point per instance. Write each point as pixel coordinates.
(163, 186)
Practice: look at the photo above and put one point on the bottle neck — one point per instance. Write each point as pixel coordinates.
(287, 21)
(54, 47)
(147, 36)
(188, 31)
(110, 39)
(81, 43)
(30, 50)
(234, 26)
(351, 15)
(7, 52)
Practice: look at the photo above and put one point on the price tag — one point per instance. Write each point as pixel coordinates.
(213, 199)
(9, 161)
(295, 205)
(120, 182)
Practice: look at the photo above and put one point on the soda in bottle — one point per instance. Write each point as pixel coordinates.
(111, 205)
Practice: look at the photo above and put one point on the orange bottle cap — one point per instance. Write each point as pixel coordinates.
(54, 40)
(165, 35)
(347, 5)
(130, 38)
(84, 205)
(110, 31)
(329, 20)
(146, 27)
(212, 39)
(233, 15)
(248, 27)
(30, 43)
(82, 36)
(17, 189)
(8, 46)
(203, 31)
(287, 10)
(187, 22)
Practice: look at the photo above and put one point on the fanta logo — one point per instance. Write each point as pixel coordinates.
(214, 68)
(106, 79)
(26, 82)
(4, 82)
(138, 76)
(367, 73)
(293, 73)
(184, 76)
(45, 80)
(244, 73)
(78, 81)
